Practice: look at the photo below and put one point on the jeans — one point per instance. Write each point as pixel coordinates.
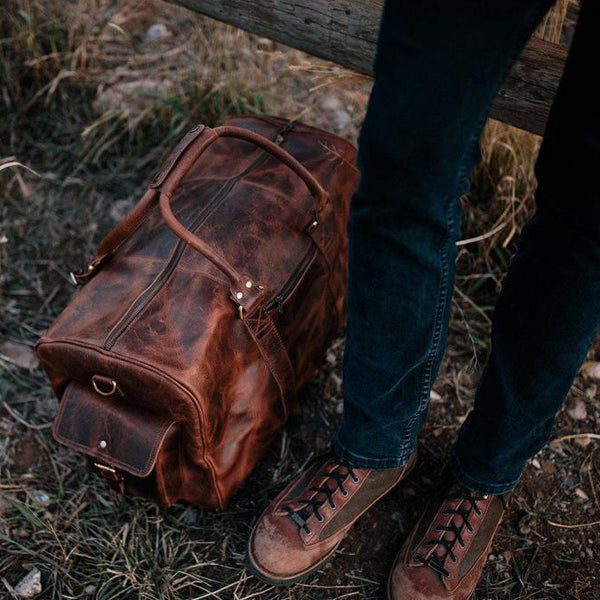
(438, 66)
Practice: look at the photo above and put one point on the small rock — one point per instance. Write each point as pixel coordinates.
(40, 498)
(331, 359)
(341, 119)
(30, 585)
(120, 208)
(156, 32)
(331, 102)
(89, 589)
(536, 463)
(581, 494)
(434, 396)
(578, 412)
(548, 467)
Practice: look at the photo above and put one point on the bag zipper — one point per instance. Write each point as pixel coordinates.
(288, 288)
(145, 297)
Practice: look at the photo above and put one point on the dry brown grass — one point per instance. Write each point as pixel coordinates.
(91, 105)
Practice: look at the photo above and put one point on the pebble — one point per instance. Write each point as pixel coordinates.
(156, 32)
(30, 585)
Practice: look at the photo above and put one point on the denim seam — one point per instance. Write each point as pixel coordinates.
(480, 486)
(366, 462)
(442, 296)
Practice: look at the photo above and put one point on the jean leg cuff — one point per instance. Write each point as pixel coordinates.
(369, 462)
(475, 485)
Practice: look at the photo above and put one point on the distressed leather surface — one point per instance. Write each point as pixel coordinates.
(157, 317)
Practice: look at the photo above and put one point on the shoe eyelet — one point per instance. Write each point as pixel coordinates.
(445, 512)
(345, 493)
(438, 527)
(320, 519)
(461, 544)
(333, 506)
(453, 559)
(355, 479)
(308, 531)
(478, 512)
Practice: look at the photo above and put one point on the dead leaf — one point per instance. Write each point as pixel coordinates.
(19, 355)
(591, 369)
(578, 412)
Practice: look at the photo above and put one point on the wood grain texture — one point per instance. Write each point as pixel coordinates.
(345, 32)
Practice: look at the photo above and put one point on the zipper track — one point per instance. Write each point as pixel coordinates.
(146, 296)
(279, 300)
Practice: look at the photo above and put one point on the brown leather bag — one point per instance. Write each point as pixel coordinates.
(205, 310)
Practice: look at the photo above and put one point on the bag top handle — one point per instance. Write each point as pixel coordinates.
(243, 291)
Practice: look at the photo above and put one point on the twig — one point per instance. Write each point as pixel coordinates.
(573, 436)
(576, 526)
(21, 420)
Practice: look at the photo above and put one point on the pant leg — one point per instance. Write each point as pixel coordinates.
(549, 308)
(437, 68)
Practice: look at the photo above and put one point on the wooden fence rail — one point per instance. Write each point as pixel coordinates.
(345, 32)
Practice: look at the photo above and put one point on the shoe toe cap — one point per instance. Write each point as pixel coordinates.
(276, 550)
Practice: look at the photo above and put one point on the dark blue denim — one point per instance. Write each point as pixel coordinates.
(438, 66)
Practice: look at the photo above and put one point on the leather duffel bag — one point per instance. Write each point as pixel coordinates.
(205, 310)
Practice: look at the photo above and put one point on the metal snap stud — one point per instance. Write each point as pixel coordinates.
(103, 444)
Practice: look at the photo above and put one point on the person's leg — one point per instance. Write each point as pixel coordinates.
(549, 308)
(547, 314)
(438, 66)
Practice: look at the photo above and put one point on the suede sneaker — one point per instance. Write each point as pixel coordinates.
(302, 528)
(444, 556)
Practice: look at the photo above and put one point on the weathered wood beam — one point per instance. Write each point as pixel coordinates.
(345, 32)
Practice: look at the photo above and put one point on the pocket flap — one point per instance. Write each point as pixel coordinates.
(109, 430)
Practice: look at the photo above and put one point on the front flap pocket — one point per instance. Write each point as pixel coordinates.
(109, 430)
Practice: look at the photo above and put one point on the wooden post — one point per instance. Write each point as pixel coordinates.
(345, 32)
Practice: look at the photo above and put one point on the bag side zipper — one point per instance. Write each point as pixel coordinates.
(290, 285)
(148, 294)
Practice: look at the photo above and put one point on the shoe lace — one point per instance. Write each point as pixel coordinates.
(436, 560)
(323, 493)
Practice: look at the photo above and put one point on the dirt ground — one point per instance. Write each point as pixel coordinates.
(92, 96)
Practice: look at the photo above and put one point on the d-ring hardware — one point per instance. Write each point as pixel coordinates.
(98, 381)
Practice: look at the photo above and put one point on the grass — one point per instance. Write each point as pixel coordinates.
(92, 106)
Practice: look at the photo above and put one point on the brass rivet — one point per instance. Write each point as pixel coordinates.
(248, 284)
(102, 444)
(239, 295)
